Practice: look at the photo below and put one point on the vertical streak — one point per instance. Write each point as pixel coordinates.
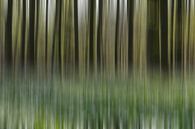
(186, 31)
(99, 37)
(92, 33)
(31, 32)
(76, 32)
(56, 40)
(185, 45)
(37, 31)
(96, 13)
(8, 34)
(191, 37)
(63, 33)
(140, 36)
(2, 42)
(1, 37)
(160, 38)
(117, 33)
(50, 32)
(46, 36)
(135, 65)
(169, 34)
(23, 32)
(19, 38)
(130, 13)
(174, 34)
(26, 39)
(59, 42)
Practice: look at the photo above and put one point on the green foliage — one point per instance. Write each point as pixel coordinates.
(96, 103)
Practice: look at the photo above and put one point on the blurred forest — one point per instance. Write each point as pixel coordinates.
(97, 64)
(89, 36)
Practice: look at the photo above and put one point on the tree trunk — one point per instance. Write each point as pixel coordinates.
(91, 43)
(99, 37)
(31, 57)
(76, 33)
(8, 34)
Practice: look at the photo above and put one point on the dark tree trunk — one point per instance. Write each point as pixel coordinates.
(8, 34)
(23, 32)
(76, 33)
(130, 5)
(31, 49)
(117, 32)
(46, 30)
(99, 36)
(179, 33)
(164, 29)
(37, 27)
(92, 7)
(59, 31)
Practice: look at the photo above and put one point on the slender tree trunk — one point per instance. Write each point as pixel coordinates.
(99, 37)
(31, 45)
(130, 13)
(8, 34)
(23, 33)
(37, 30)
(169, 7)
(76, 33)
(92, 33)
(117, 33)
(160, 38)
(46, 36)
(59, 34)
(174, 36)
(164, 31)
(2, 36)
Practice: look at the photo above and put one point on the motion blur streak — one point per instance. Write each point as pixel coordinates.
(97, 64)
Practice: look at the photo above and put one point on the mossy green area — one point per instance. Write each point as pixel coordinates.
(131, 103)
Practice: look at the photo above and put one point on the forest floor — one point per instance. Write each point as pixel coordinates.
(131, 103)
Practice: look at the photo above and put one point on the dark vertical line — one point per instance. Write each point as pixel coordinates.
(99, 36)
(76, 32)
(172, 38)
(130, 4)
(46, 35)
(37, 28)
(8, 34)
(164, 17)
(117, 32)
(179, 32)
(23, 32)
(52, 51)
(188, 38)
(91, 8)
(31, 33)
(59, 29)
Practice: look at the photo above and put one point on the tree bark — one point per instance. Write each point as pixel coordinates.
(31, 57)
(91, 43)
(8, 34)
(76, 33)
(99, 37)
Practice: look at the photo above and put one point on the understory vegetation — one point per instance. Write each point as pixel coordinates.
(132, 103)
